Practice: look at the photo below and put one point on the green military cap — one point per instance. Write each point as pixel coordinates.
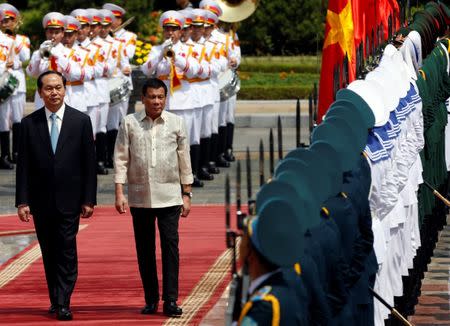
(359, 103)
(308, 174)
(315, 168)
(363, 113)
(324, 152)
(279, 189)
(355, 121)
(302, 184)
(277, 231)
(340, 135)
(276, 189)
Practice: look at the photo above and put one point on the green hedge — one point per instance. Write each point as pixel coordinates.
(279, 67)
(274, 93)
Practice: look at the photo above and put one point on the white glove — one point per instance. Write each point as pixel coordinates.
(45, 44)
(166, 43)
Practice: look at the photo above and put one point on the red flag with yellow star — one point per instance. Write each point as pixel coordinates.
(339, 44)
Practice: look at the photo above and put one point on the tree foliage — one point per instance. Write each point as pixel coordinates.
(283, 27)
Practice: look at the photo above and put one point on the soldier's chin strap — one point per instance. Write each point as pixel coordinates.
(394, 311)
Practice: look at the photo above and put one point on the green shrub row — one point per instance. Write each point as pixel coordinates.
(274, 93)
(280, 67)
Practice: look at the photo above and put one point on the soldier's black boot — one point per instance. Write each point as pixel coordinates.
(194, 152)
(205, 149)
(15, 141)
(4, 148)
(229, 156)
(100, 148)
(213, 153)
(222, 140)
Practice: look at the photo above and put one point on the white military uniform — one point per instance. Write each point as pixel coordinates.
(6, 47)
(179, 100)
(18, 99)
(118, 110)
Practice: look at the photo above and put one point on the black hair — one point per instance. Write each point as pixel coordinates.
(154, 83)
(49, 72)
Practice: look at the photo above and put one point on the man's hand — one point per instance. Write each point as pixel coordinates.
(24, 213)
(186, 206)
(121, 203)
(86, 211)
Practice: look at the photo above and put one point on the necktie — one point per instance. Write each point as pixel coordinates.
(54, 133)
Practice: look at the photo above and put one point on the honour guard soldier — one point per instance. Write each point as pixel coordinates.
(117, 107)
(94, 53)
(104, 55)
(171, 63)
(52, 55)
(16, 102)
(75, 90)
(211, 95)
(203, 96)
(214, 51)
(6, 48)
(270, 241)
(226, 113)
(128, 40)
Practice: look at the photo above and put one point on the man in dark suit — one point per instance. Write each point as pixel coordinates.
(56, 182)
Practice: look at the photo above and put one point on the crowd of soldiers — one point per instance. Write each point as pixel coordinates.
(356, 215)
(93, 51)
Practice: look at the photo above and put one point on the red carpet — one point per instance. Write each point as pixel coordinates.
(108, 289)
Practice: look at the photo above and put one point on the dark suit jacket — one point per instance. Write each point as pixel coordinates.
(63, 180)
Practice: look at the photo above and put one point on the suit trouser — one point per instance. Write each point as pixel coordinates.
(144, 235)
(56, 234)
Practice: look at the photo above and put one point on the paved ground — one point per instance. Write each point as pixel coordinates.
(434, 302)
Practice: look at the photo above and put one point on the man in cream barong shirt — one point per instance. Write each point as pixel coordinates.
(152, 152)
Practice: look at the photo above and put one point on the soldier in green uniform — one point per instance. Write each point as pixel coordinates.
(270, 242)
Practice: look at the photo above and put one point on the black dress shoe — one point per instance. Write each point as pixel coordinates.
(222, 162)
(204, 175)
(197, 183)
(5, 164)
(171, 309)
(64, 313)
(229, 156)
(52, 309)
(150, 309)
(212, 168)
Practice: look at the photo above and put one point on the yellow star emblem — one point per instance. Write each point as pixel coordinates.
(341, 31)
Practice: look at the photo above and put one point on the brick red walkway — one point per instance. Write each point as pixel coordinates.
(434, 302)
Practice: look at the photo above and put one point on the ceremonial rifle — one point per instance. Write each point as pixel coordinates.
(437, 193)
(261, 163)
(280, 139)
(251, 202)
(271, 154)
(394, 311)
